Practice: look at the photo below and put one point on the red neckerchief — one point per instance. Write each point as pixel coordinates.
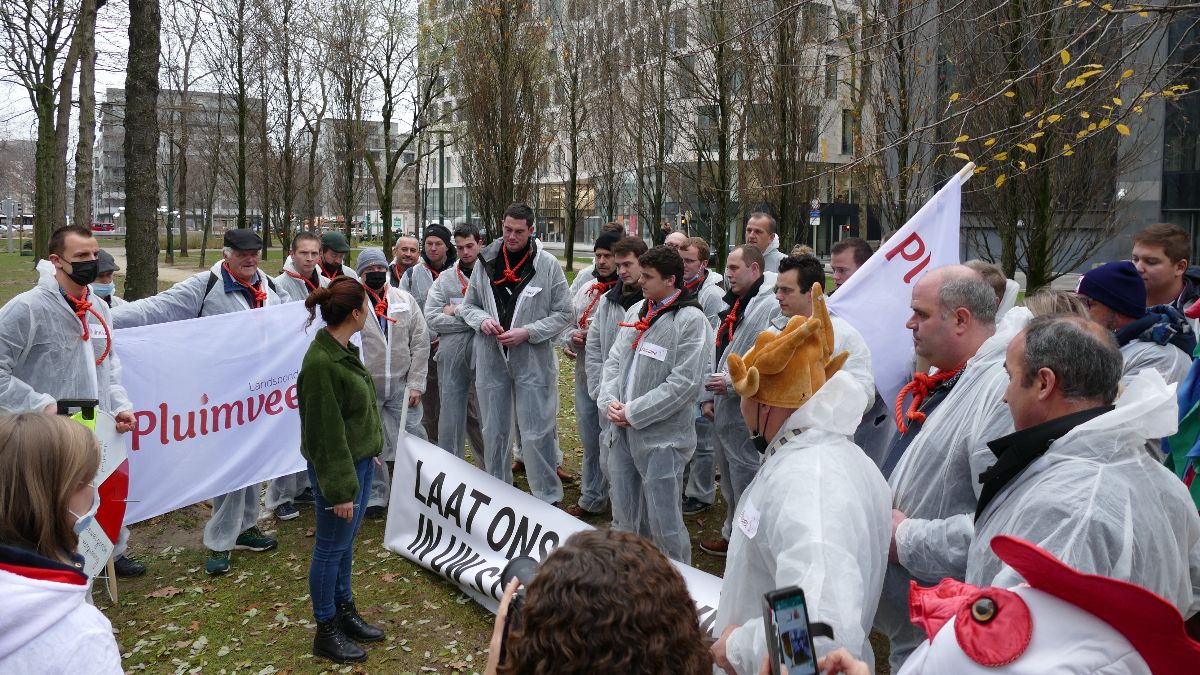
(306, 280)
(462, 280)
(381, 304)
(596, 290)
(82, 308)
(399, 272)
(432, 271)
(694, 283)
(643, 324)
(920, 387)
(260, 296)
(727, 324)
(510, 272)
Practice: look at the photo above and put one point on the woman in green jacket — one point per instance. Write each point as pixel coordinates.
(340, 436)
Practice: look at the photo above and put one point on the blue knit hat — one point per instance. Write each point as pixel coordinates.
(1116, 285)
(370, 256)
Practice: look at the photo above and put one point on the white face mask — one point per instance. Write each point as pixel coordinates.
(82, 522)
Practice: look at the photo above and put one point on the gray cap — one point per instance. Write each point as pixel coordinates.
(370, 256)
(107, 263)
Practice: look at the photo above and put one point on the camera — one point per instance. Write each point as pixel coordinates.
(525, 569)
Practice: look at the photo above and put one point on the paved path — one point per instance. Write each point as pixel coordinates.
(165, 273)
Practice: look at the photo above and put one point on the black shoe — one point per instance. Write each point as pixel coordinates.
(692, 506)
(127, 568)
(333, 644)
(375, 513)
(354, 625)
(306, 498)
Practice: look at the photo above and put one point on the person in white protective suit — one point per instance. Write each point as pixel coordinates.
(610, 312)
(700, 487)
(301, 275)
(817, 515)
(436, 258)
(454, 360)
(653, 375)
(762, 233)
(585, 298)
(56, 344)
(395, 350)
(793, 292)
(233, 284)
(518, 302)
(1058, 621)
(334, 251)
(1116, 299)
(941, 448)
(1075, 478)
(751, 307)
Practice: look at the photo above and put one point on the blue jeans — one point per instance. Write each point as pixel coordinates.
(333, 553)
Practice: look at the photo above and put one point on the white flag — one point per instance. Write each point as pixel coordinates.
(876, 300)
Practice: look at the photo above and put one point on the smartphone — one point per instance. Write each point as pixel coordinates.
(789, 636)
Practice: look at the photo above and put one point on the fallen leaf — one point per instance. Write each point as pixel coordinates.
(164, 592)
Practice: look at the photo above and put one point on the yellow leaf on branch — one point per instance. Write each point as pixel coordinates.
(1127, 73)
(1021, 165)
(989, 142)
(1053, 118)
(963, 156)
(1010, 94)
(1000, 180)
(1067, 151)
(1104, 123)
(1038, 135)
(1081, 134)
(1000, 156)
(962, 139)
(980, 169)
(1117, 100)
(954, 97)
(1065, 56)
(1028, 147)
(1085, 114)
(1122, 129)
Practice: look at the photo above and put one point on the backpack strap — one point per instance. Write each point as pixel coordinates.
(212, 281)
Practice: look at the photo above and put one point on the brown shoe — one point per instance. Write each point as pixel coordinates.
(564, 476)
(518, 466)
(580, 512)
(717, 547)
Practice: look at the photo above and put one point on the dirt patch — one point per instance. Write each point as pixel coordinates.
(182, 528)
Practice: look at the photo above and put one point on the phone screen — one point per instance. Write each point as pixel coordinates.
(794, 646)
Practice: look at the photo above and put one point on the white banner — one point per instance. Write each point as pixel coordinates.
(465, 525)
(215, 403)
(876, 300)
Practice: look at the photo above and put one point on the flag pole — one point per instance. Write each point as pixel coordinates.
(966, 172)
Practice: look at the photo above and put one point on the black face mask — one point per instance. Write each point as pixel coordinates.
(331, 269)
(84, 272)
(760, 442)
(375, 280)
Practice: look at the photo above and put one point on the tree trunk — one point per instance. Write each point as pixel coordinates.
(85, 151)
(181, 189)
(141, 150)
(265, 150)
(44, 218)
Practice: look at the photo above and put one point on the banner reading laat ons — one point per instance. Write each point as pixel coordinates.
(465, 525)
(215, 404)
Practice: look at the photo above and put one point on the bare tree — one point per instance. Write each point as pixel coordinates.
(501, 65)
(345, 27)
(84, 148)
(573, 99)
(184, 22)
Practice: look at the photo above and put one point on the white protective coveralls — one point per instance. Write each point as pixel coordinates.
(699, 477)
(1170, 361)
(524, 377)
(235, 512)
(44, 358)
(293, 288)
(586, 297)
(455, 364)
(1102, 505)
(659, 383)
(417, 281)
(736, 454)
(936, 483)
(49, 627)
(397, 361)
(773, 256)
(817, 516)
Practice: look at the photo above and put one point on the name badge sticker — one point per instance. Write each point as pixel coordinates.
(531, 291)
(653, 351)
(398, 308)
(747, 520)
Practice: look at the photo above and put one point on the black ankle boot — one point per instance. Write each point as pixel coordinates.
(354, 625)
(331, 643)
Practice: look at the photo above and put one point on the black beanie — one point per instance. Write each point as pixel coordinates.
(438, 230)
(606, 240)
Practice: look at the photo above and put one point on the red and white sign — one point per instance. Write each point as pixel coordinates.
(876, 300)
(215, 405)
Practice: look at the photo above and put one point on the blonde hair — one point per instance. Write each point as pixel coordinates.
(43, 460)
(1046, 301)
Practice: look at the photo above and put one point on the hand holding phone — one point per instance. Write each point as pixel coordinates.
(789, 635)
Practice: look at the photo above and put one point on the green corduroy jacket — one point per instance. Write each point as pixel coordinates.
(339, 418)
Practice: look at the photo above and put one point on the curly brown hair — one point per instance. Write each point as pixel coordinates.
(607, 602)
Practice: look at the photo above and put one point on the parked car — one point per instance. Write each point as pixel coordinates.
(102, 227)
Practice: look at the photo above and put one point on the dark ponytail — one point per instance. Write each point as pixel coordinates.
(337, 301)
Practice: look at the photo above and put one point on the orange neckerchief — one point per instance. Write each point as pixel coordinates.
(510, 272)
(596, 290)
(381, 304)
(82, 308)
(260, 296)
(462, 279)
(727, 324)
(307, 281)
(920, 387)
(643, 324)
(694, 283)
